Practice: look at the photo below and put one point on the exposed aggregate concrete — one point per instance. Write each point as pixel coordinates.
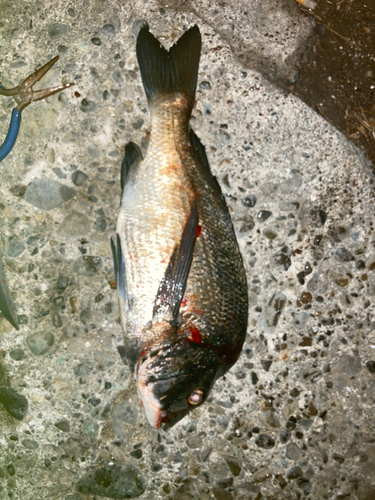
(294, 417)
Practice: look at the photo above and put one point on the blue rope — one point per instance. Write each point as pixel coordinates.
(12, 134)
(6, 304)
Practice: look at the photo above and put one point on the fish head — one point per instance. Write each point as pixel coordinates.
(174, 378)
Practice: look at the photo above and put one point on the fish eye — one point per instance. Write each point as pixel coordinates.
(195, 397)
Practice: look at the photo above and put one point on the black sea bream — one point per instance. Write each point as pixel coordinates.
(180, 277)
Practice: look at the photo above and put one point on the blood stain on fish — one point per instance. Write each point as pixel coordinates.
(195, 334)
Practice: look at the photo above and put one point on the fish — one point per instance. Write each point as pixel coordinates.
(180, 276)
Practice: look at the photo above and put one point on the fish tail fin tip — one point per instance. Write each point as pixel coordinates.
(173, 71)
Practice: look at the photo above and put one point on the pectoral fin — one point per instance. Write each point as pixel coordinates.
(133, 157)
(173, 285)
(119, 264)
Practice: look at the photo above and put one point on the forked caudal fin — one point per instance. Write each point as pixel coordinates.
(170, 72)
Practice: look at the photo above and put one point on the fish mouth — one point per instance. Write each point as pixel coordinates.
(157, 414)
(151, 404)
(158, 417)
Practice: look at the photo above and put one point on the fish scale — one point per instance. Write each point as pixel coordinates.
(152, 216)
(180, 276)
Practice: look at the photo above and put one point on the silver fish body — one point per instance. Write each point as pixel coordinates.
(182, 286)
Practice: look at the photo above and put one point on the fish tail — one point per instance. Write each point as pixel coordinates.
(170, 72)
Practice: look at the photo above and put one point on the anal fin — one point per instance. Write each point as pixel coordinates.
(173, 285)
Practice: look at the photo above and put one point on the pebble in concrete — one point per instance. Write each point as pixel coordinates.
(271, 154)
(79, 177)
(119, 482)
(47, 194)
(15, 404)
(40, 342)
(75, 224)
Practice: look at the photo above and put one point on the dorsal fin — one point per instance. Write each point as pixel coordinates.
(200, 153)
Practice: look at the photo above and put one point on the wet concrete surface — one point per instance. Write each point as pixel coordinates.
(337, 78)
(294, 417)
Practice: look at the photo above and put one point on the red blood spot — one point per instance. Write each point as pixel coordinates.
(140, 402)
(234, 316)
(112, 284)
(4, 282)
(184, 301)
(198, 231)
(195, 335)
(227, 324)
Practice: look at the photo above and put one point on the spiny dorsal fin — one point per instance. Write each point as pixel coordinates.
(200, 153)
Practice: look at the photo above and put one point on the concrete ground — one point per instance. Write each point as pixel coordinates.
(294, 417)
